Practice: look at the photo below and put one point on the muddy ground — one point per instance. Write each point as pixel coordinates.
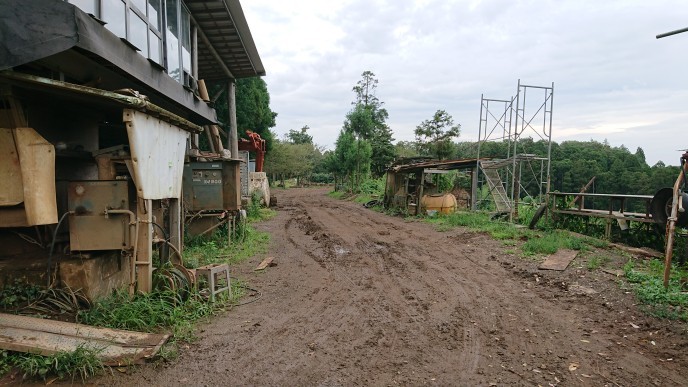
(361, 298)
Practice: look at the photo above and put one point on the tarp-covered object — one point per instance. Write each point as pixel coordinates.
(31, 30)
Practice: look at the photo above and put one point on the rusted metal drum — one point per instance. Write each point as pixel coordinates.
(442, 203)
(660, 207)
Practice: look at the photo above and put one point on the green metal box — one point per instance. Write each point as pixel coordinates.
(202, 186)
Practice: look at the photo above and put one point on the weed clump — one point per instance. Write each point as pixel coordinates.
(82, 363)
(648, 283)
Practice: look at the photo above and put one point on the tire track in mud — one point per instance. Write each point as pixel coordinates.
(395, 271)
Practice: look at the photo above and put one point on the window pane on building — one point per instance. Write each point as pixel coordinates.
(155, 14)
(172, 38)
(88, 6)
(138, 32)
(155, 53)
(186, 40)
(140, 4)
(114, 15)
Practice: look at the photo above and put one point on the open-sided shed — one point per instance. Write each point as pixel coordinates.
(406, 181)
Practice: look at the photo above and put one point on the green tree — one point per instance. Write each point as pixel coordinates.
(289, 160)
(359, 123)
(380, 134)
(252, 108)
(300, 136)
(434, 136)
(344, 161)
(403, 149)
(383, 151)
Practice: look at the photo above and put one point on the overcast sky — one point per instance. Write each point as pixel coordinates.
(612, 79)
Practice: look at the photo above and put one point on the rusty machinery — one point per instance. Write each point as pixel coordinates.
(212, 187)
(211, 194)
(256, 144)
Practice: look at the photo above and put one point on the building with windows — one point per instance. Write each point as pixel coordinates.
(102, 102)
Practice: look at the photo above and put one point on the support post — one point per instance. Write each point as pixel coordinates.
(232, 136)
(420, 193)
(144, 263)
(516, 190)
(106, 168)
(175, 216)
(474, 188)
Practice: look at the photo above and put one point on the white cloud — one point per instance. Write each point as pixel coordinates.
(612, 78)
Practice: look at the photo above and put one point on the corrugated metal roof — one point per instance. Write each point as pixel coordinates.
(224, 36)
(437, 164)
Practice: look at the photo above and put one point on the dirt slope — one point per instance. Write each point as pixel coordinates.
(361, 298)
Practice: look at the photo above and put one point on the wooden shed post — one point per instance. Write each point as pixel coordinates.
(419, 199)
(474, 189)
(232, 136)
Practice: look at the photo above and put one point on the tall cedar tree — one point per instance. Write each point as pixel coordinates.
(380, 135)
(434, 136)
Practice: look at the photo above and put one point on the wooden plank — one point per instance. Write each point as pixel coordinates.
(265, 263)
(144, 249)
(559, 260)
(37, 161)
(46, 337)
(12, 188)
(638, 251)
(614, 272)
(13, 217)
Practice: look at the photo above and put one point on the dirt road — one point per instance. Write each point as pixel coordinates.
(361, 298)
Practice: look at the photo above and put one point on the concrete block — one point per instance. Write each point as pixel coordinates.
(98, 276)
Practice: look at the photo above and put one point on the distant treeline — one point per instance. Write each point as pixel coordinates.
(574, 163)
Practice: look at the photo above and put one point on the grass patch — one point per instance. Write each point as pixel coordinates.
(219, 250)
(83, 363)
(536, 243)
(220, 247)
(337, 194)
(480, 221)
(597, 261)
(156, 312)
(365, 198)
(647, 280)
(550, 242)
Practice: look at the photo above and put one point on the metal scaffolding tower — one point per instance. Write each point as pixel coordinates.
(515, 174)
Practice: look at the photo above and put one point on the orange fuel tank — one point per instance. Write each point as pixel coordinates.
(442, 203)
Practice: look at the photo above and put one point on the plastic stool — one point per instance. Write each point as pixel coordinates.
(213, 272)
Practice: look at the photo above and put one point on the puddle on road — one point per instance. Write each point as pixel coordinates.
(339, 250)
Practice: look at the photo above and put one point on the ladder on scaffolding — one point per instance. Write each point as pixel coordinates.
(494, 181)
